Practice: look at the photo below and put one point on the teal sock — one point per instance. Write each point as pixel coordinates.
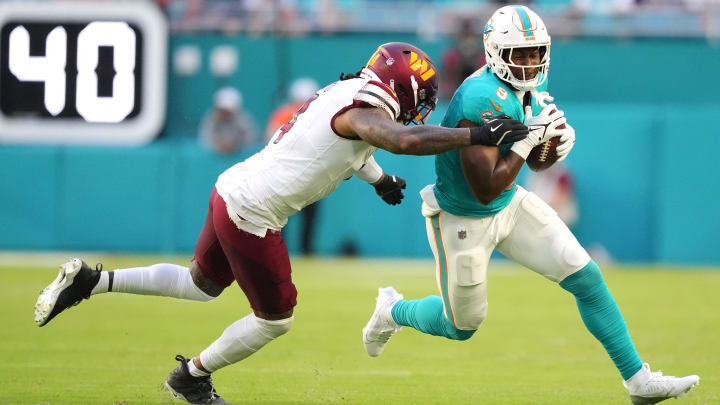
(603, 318)
(426, 315)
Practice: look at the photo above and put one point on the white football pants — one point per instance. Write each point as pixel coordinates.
(527, 231)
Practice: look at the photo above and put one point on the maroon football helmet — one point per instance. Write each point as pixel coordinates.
(411, 74)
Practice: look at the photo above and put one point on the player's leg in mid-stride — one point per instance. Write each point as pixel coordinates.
(261, 266)
(529, 232)
(540, 241)
(77, 281)
(223, 254)
(461, 248)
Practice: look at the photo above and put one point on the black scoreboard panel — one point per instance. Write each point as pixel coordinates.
(82, 72)
(20, 97)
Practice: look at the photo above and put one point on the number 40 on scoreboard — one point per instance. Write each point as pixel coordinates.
(82, 72)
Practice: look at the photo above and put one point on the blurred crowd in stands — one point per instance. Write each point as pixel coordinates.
(226, 128)
(435, 18)
(440, 17)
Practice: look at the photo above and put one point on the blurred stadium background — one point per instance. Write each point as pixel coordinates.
(637, 78)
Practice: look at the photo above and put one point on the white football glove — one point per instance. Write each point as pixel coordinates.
(542, 127)
(567, 141)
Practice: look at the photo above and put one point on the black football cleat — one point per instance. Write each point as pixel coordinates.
(194, 390)
(74, 283)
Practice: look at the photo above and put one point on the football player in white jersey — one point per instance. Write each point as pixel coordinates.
(330, 138)
(475, 207)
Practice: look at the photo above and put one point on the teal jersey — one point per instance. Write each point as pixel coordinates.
(477, 99)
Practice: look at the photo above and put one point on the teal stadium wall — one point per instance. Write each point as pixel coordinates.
(645, 112)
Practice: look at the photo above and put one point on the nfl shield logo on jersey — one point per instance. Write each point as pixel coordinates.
(462, 234)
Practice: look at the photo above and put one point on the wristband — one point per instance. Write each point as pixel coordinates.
(370, 172)
(522, 148)
(478, 136)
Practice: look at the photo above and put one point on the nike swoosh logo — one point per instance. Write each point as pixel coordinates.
(493, 129)
(501, 138)
(493, 104)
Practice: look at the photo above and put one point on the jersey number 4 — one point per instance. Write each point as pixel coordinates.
(288, 125)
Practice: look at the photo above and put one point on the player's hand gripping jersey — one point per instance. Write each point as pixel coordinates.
(479, 98)
(305, 160)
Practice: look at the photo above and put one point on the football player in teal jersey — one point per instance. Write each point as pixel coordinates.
(475, 207)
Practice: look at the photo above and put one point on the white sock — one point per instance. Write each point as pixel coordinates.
(640, 378)
(102, 285)
(194, 371)
(242, 339)
(167, 280)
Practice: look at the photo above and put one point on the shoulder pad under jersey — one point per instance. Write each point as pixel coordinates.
(379, 95)
(484, 98)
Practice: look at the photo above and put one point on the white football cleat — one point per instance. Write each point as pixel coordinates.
(647, 387)
(381, 325)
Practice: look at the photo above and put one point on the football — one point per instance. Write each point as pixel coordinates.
(544, 155)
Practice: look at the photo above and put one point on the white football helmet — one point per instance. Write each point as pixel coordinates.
(512, 27)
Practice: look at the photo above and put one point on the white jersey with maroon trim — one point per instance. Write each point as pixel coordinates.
(306, 159)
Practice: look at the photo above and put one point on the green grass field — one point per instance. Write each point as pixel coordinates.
(532, 348)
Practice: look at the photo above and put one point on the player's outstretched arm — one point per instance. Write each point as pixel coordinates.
(375, 127)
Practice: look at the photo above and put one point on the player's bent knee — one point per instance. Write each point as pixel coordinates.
(207, 286)
(275, 328)
(464, 327)
(471, 321)
(459, 334)
(585, 281)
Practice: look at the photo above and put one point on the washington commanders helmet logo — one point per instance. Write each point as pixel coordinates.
(421, 65)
